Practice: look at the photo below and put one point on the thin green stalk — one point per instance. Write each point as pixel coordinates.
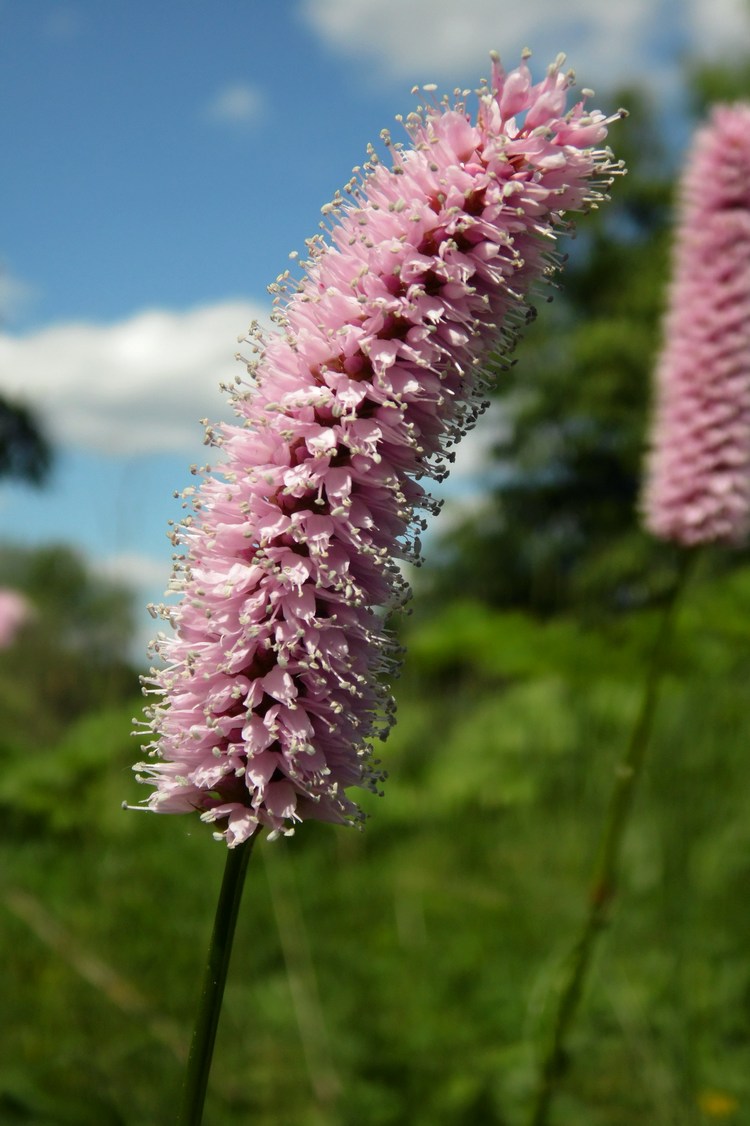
(606, 867)
(209, 1008)
(303, 984)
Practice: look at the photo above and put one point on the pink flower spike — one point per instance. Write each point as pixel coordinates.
(14, 612)
(698, 471)
(275, 679)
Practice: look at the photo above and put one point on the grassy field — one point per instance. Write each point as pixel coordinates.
(406, 975)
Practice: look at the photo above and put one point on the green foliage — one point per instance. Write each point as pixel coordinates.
(403, 974)
(728, 82)
(61, 789)
(72, 651)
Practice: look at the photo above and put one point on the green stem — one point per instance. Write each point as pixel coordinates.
(209, 1008)
(604, 881)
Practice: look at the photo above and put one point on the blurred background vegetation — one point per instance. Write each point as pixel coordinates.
(404, 975)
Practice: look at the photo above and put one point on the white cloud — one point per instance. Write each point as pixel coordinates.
(146, 577)
(607, 44)
(238, 104)
(135, 387)
(133, 570)
(717, 26)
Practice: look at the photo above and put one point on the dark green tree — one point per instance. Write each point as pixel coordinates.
(25, 453)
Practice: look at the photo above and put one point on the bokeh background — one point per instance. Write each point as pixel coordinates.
(160, 162)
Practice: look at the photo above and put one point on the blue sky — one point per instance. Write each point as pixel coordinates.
(161, 160)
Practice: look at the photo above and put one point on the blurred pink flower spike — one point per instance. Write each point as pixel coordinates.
(277, 671)
(15, 611)
(698, 482)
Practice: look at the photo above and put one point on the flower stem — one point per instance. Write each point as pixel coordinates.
(209, 1008)
(604, 881)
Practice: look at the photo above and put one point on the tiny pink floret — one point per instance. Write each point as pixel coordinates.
(15, 611)
(698, 484)
(276, 675)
